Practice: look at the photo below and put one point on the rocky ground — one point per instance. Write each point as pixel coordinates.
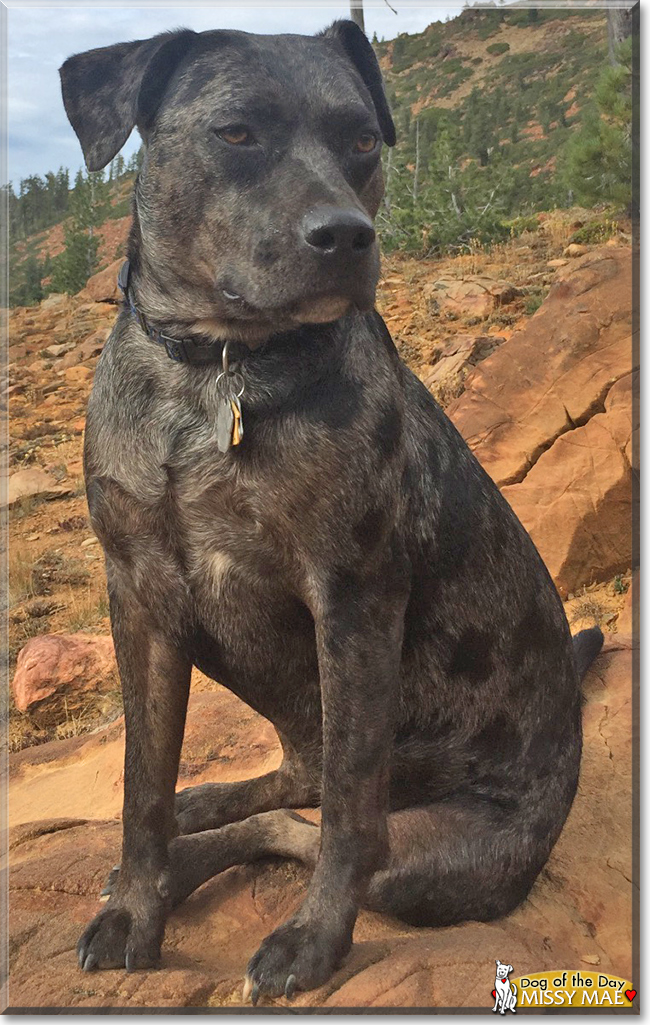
(529, 349)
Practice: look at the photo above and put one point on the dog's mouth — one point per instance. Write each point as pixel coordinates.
(314, 310)
(241, 314)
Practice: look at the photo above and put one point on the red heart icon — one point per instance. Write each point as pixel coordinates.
(630, 994)
(494, 993)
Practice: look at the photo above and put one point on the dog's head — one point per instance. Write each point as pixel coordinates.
(261, 176)
(503, 970)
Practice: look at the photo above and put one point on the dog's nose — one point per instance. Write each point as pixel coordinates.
(335, 231)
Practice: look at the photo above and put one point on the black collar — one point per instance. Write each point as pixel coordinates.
(187, 350)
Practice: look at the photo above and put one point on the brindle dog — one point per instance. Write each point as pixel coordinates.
(347, 569)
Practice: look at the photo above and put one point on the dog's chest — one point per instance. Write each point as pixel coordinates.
(241, 573)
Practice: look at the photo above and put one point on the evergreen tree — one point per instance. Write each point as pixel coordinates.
(599, 159)
(79, 258)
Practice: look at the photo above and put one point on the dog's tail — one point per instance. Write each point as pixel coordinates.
(586, 646)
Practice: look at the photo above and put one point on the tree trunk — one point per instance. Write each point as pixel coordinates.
(619, 27)
(356, 13)
(416, 175)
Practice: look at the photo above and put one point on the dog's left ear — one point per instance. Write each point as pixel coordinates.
(357, 48)
(509, 967)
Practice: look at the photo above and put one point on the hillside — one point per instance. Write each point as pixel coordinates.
(485, 106)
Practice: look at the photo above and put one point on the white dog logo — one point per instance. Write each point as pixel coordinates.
(505, 991)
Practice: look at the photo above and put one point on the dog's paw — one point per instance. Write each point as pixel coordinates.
(297, 955)
(119, 938)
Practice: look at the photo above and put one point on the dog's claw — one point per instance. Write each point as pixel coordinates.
(246, 990)
(129, 961)
(255, 994)
(290, 987)
(90, 963)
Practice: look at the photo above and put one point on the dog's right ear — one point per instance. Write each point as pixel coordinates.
(108, 91)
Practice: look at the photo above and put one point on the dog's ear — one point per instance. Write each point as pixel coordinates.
(497, 962)
(357, 48)
(106, 92)
(509, 967)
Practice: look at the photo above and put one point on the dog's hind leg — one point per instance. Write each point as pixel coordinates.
(450, 863)
(195, 859)
(446, 863)
(212, 805)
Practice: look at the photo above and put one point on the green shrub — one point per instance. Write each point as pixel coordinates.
(518, 225)
(594, 233)
(498, 48)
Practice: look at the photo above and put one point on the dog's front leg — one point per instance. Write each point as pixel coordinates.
(359, 636)
(155, 678)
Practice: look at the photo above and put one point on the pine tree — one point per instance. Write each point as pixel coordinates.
(79, 258)
(599, 159)
(33, 290)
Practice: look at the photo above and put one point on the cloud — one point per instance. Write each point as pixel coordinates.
(40, 38)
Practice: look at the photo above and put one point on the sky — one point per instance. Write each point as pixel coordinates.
(41, 36)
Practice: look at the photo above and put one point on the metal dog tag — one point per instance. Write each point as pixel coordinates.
(238, 420)
(230, 424)
(225, 423)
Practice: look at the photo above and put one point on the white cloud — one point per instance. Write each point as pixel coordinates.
(40, 38)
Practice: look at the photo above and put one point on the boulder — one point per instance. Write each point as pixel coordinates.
(578, 913)
(453, 360)
(62, 666)
(474, 297)
(33, 482)
(102, 287)
(555, 373)
(576, 501)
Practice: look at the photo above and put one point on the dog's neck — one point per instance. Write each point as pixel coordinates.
(182, 350)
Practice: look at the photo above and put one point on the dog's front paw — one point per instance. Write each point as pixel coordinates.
(125, 934)
(297, 955)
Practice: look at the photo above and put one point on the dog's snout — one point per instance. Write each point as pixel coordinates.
(333, 231)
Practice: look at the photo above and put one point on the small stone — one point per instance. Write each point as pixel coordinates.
(557, 263)
(89, 542)
(575, 250)
(77, 375)
(32, 537)
(59, 350)
(33, 482)
(590, 958)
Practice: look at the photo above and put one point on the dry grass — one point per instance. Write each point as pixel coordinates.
(444, 392)
(21, 584)
(24, 507)
(99, 710)
(85, 608)
(590, 607)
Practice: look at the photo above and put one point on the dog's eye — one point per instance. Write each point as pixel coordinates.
(366, 142)
(236, 135)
